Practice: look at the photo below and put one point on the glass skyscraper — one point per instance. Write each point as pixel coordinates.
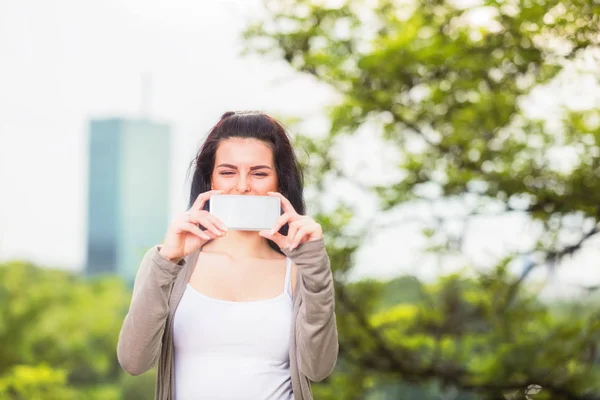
(128, 193)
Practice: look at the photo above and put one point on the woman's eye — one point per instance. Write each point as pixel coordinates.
(261, 174)
(227, 173)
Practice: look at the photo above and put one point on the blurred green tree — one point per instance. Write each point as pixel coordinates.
(445, 84)
(58, 335)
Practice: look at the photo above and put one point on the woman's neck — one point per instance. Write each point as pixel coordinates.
(240, 244)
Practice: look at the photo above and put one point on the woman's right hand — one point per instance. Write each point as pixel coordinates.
(184, 236)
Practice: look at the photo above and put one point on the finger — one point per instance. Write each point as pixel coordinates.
(286, 206)
(215, 221)
(277, 237)
(206, 223)
(202, 197)
(282, 220)
(184, 216)
(300, 236)
(191, 228)
(210, 234)
(294, 226)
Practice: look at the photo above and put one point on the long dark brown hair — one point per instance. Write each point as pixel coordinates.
(253, 125)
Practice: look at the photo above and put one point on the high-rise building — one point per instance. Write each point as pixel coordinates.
(128, 193)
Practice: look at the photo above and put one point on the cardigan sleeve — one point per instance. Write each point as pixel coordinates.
(316, 329)
(139, 344)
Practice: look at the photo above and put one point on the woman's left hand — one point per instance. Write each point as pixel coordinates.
(302, 228)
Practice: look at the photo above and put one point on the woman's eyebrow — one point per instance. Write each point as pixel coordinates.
(251, 168)
(227, 166)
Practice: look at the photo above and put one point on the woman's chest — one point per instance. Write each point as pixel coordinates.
(204, 325)
(223, 279)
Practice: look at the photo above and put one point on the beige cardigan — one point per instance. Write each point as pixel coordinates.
(147, 333)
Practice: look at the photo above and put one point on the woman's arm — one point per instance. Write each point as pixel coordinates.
(141, 335)
(316, 330)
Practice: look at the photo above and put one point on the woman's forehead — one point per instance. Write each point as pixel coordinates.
(243, 151)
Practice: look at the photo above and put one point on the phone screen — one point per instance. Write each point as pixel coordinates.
(245, 212)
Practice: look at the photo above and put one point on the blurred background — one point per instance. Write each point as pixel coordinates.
(451, 151)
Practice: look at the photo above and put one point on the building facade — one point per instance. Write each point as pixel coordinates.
(128, 192)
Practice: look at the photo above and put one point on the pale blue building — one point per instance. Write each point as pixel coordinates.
(128, 193)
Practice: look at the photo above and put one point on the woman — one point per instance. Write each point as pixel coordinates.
(236, 314)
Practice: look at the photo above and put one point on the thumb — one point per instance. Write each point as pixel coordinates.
(277, 237)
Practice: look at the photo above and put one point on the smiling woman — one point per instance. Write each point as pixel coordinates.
(248, 138)
(236, 314)
(253, 155)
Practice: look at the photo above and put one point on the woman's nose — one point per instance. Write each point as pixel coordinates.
(242, 186)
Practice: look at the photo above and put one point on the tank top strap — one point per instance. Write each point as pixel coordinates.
(287, 284)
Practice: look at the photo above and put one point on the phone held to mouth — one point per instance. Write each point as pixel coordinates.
(245, 212)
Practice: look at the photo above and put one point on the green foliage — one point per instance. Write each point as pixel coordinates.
(447, 93)
(58, 335)
(464, 331)
(138, 387)
(34, 383)
(423, 75)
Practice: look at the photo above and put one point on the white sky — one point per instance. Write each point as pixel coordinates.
(66, 61)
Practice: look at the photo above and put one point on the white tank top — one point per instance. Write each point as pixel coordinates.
(233, 350)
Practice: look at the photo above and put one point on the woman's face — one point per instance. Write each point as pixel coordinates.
(244, 166)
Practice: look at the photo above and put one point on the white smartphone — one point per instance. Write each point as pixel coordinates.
(245, 213)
